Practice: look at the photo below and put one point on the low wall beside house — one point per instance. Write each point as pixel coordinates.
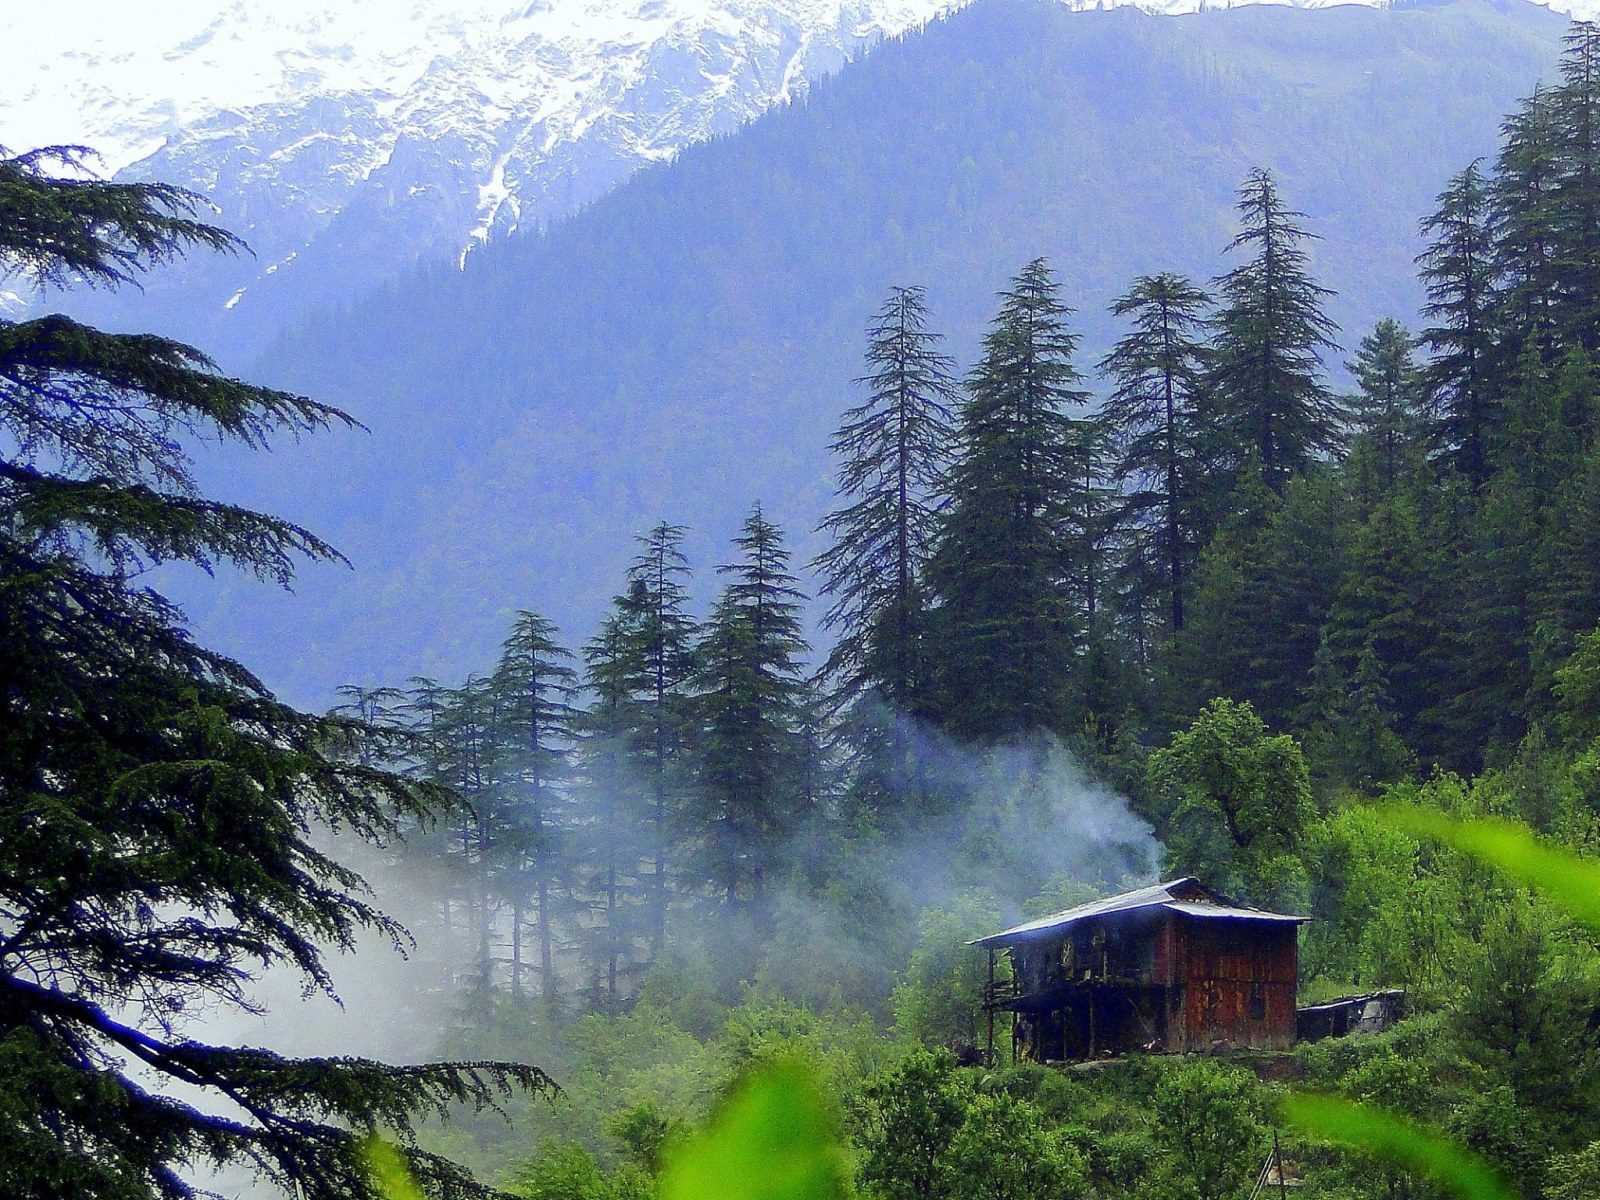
(1367, 1013)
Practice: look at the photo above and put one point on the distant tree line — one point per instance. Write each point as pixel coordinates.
(1393, 574)
(1219, 554)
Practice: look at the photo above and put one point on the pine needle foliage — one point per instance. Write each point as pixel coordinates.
(1457, 268)
(752, 710)
(1007, 627)
(534, 687)
(1157, 418)
(1270, 333)
(160, 811)
(893, 450)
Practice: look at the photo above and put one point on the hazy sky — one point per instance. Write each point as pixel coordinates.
(114, 72)
(119, 74)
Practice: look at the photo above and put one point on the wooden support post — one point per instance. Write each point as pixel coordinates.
(1277, 1157)
(989, 1005)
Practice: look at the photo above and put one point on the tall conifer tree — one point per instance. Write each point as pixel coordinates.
(1158, 422)
(1458, 268)
(664, 671)
(893, 450)
(1008, 632)
(614, 842)
(1575, 194)
(1388, 408)
(1270, 396)
(468, 758)
(534, 685)
(158, 806)
(1523, 230)
(641, 669)
(753, 715)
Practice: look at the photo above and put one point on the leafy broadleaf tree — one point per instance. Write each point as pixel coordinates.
(1238, 801)
(1008, 632)
(157, 803)
(1157, 419)
(1270, 397)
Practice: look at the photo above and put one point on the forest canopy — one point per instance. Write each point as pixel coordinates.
(1190, 609)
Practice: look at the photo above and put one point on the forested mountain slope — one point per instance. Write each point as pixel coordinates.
(684, 346)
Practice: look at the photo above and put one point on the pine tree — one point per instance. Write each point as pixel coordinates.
(894, 449)
(533, 687)
(1090, 524)
(615, 804)
(1389, 606)
(467, 760)
(1575, 192)
(1499, 577)
(1568, 571)
(637, 762)
(380, 707)
(159, 808)
(664, 650)
(1523, 228)
(752, 715)
(1458, 269)
(1270, 398)
(1351, 739)
(1535, 447)
(1261, 599)
(1158, 421)
(1388, 409)
(1578, 401)
(1007, 631)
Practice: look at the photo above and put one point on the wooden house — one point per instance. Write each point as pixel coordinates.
(1173, 968)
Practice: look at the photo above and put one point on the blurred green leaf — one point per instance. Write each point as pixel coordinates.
(1563, 877)
(387, 1168)
(773, 1139)
(1398, 1141)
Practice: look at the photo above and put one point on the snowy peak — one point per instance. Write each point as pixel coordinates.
(347, 139)
(136, 75)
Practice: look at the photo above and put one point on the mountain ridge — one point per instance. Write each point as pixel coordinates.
(571, 387)
(347, 141)
(347, 164)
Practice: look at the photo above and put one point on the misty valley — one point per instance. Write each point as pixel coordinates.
(1161, 761)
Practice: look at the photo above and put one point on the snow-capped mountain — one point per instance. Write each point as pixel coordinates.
(345, 139)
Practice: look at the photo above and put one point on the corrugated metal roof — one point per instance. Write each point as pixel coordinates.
(1227, 912)
(1187, 895)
